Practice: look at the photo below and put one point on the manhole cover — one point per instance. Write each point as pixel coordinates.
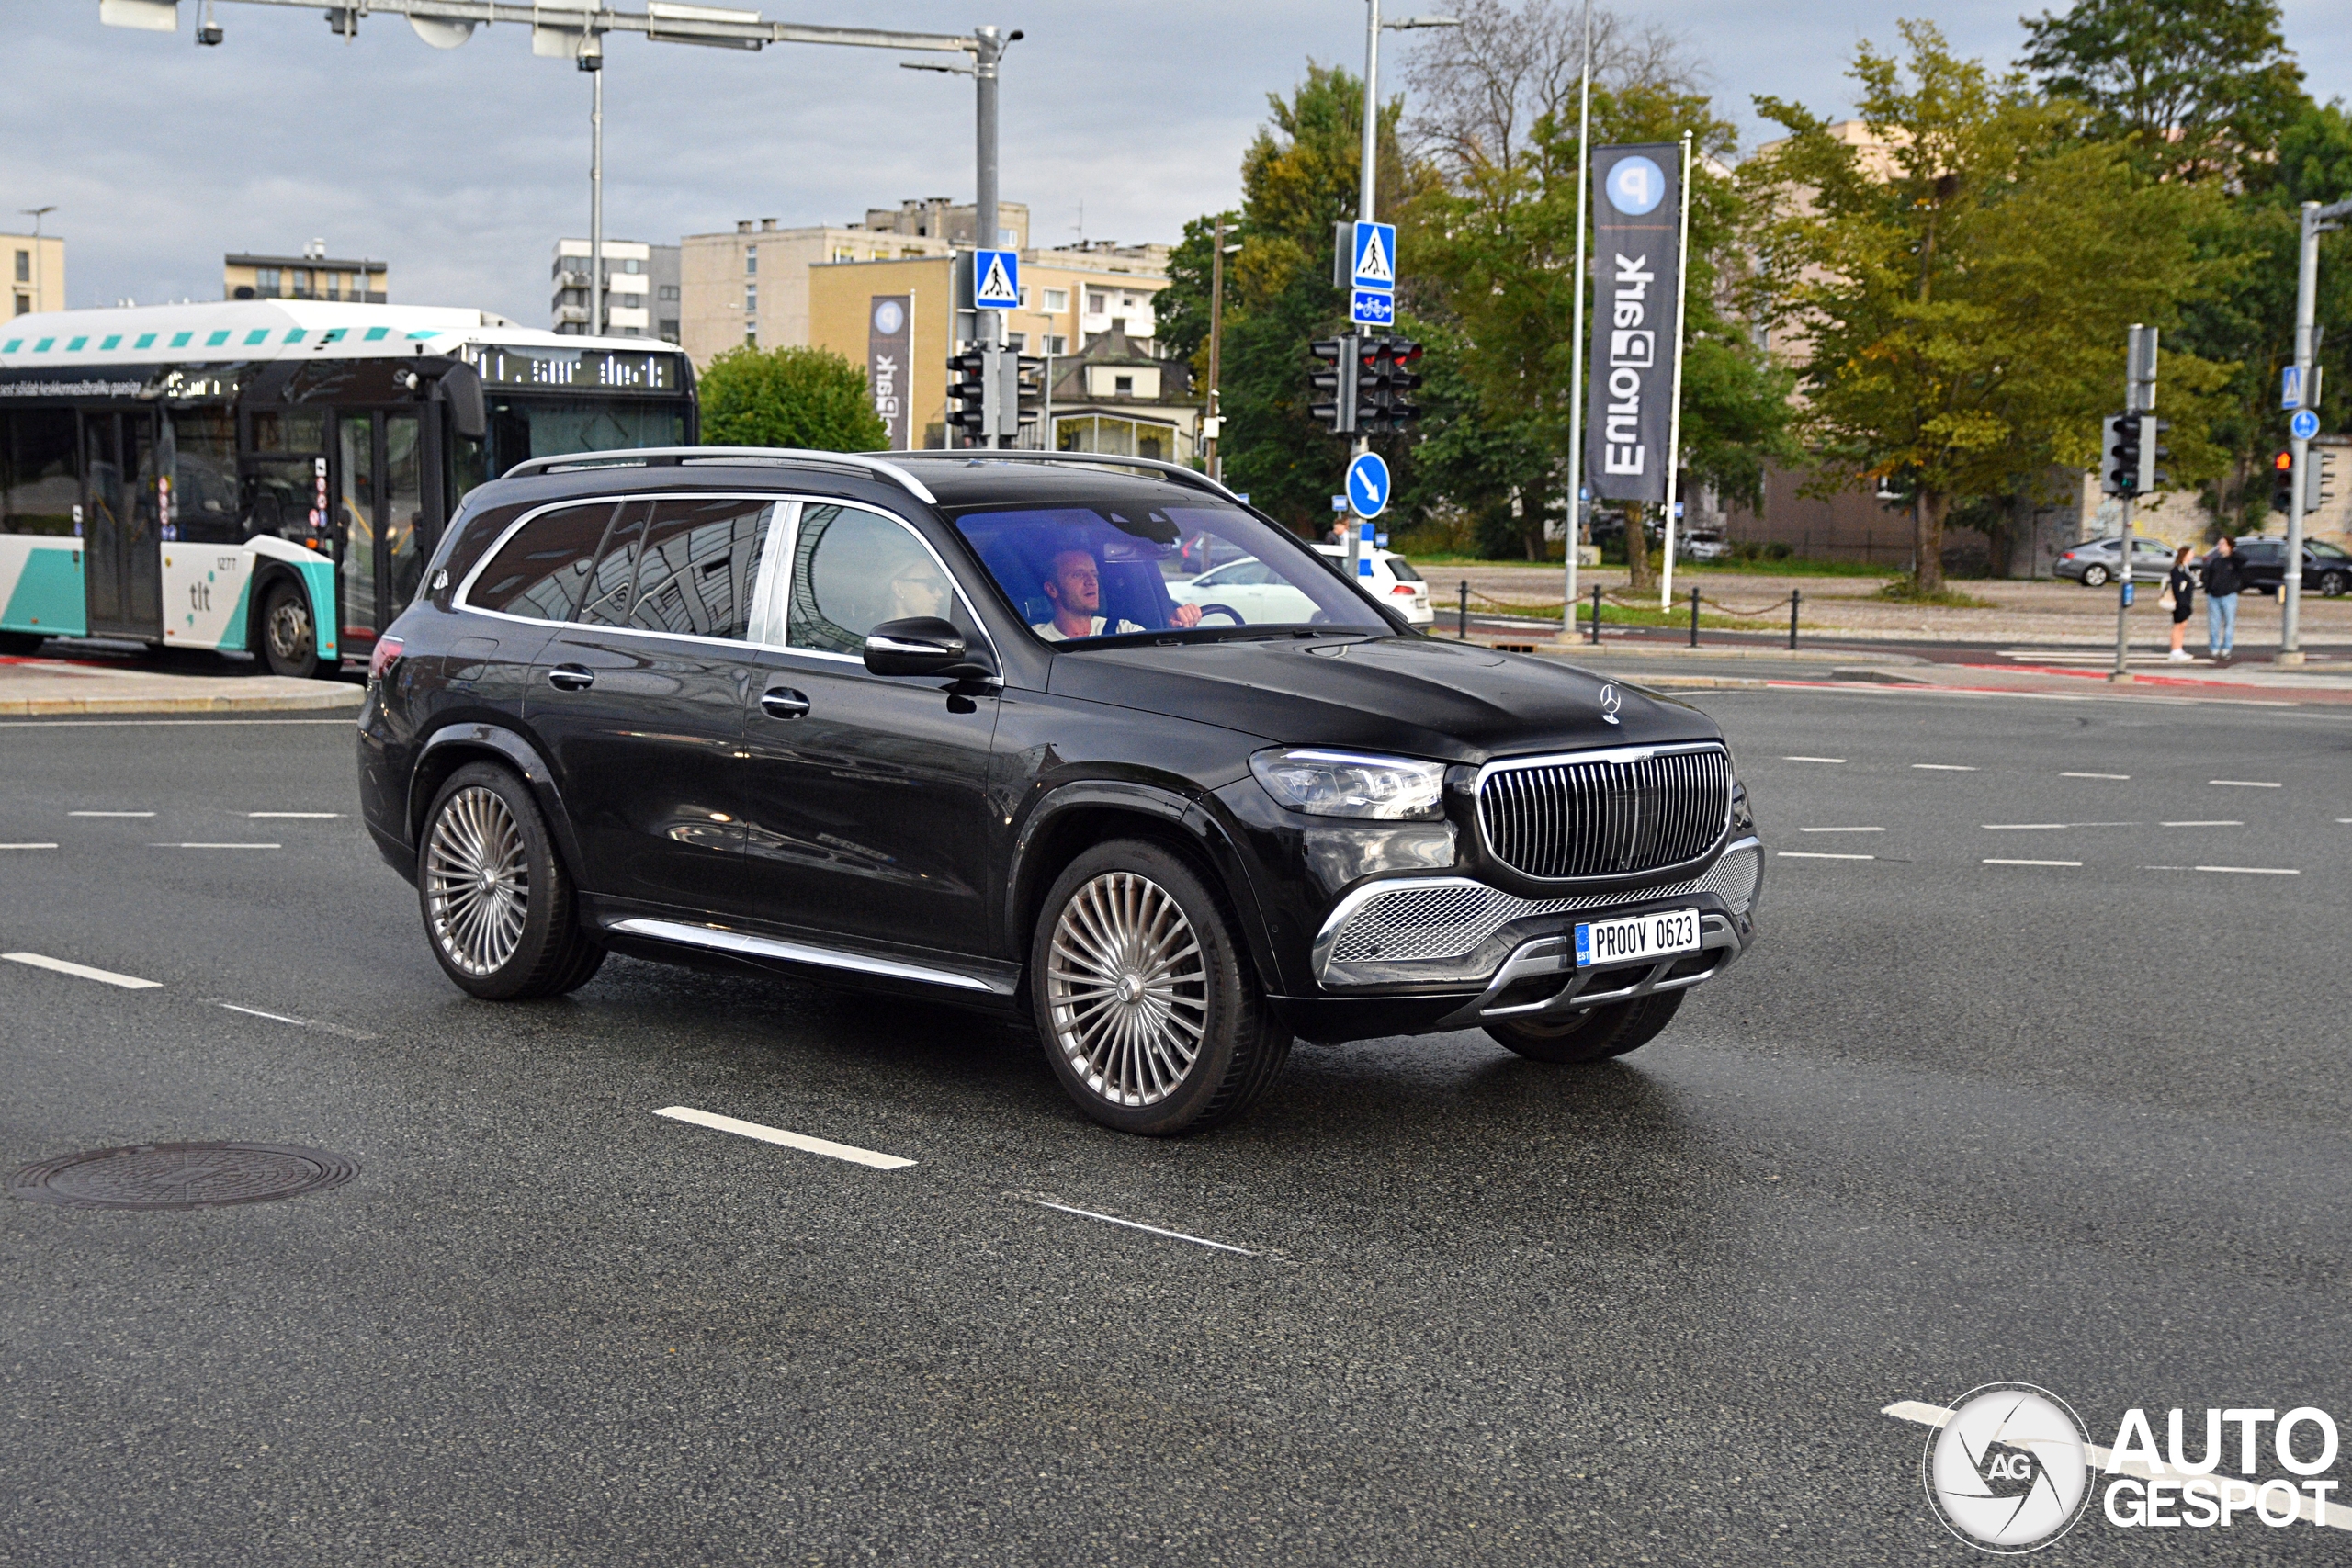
(181, 1176)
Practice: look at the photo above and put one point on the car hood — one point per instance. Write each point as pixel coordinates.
(1449, 701)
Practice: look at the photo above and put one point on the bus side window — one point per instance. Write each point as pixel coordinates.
(42, 482)
(204, 476)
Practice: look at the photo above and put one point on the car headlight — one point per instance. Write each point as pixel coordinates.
(1342, 783)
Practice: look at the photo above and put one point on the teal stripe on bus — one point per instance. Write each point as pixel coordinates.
(47, 598)
(318, 576)
(232, 636)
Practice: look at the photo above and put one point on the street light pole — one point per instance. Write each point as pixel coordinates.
(1366, 187)
(592, 61)
(1576, 353)
(1217, 347)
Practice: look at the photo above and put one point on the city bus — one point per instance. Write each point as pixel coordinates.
(269, 476)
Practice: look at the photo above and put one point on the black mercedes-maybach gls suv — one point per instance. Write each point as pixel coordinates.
(962, 725)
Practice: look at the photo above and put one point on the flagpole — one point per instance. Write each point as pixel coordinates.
(1674, 421)
(1576, 375)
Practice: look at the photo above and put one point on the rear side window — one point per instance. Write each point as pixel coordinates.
(1402, 568)
(698, 566)
(612, 585)
(540, 571)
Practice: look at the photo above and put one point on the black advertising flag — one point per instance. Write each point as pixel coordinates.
(1637, 278)
(889, 338)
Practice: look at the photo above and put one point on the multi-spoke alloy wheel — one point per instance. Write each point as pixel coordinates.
(1128, 989)
(1149, 1006)
(477, 881)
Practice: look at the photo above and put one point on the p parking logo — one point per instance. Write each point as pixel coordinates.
(2007, 1473)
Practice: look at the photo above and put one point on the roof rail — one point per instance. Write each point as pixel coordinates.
(1193, 477)
(679, 456)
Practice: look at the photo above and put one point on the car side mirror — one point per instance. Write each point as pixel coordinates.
(920, 645)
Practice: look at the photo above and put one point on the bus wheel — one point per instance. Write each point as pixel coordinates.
(20, 644)
(290, 642)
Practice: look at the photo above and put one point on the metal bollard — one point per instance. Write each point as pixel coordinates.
(1695, 617)
(1461, 630)
(1794, 595)
(1596, 615)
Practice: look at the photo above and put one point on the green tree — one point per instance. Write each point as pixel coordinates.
(2195, 87)
(809, 398)
(1959, 289)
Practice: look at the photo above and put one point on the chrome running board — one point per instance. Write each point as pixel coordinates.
(720, 939)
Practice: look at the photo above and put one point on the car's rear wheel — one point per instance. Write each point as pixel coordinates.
(498, 906)
(290, 642)
(1148, 1005)
(2094, 577)
(2334, 584)
(1593, 1035)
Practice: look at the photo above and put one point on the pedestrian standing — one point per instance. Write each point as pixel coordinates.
(2224, 575)
(2180, 589)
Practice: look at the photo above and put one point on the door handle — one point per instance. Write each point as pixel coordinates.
(783, 702)
(571, 678)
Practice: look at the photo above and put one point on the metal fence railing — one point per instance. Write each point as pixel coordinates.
(1793, 604)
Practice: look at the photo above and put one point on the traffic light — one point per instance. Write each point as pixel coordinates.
(2318, 491)
(2152, 448)
(2282, 481)
(967, 387)
(2122, 455)
(1336, 387)
(1391, 372)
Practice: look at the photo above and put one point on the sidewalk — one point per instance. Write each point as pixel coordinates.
(39, 686)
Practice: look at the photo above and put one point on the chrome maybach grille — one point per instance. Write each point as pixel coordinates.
(1614, 814)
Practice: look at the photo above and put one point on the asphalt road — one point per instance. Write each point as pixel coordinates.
(1964, 1116)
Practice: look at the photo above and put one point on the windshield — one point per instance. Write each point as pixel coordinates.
(1076, 575)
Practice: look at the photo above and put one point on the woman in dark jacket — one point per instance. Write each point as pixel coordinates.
(2181, 587)
(2223, 577)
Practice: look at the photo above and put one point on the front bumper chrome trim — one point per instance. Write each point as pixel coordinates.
(1553, 954)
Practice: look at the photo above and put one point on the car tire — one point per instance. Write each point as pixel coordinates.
(1594, 1035)
(2333, 585)
(1133, 960)
(284, 635)
(20, 644)
(500, 912)
(2094, 577)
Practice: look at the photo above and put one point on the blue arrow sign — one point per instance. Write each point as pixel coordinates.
(1375, 254)
(996, 279)
(1368, 485)
(2304, 425)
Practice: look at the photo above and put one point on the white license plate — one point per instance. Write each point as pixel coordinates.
(1660, 935)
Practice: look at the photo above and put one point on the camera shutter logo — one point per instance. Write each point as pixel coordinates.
(2007, 1473)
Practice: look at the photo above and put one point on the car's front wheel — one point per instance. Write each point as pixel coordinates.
(1593, 1035)
(1149, 1004)
(2334, 584)
(498, 906)
(2094, 577)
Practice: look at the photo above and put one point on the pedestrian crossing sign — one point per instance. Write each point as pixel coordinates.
(1375, 251)
(997, 279)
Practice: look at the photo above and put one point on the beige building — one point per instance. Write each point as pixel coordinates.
(1090, 308)
(752, 285)
(314, 275)
(35, 273)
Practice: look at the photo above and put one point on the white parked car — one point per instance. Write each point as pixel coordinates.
(1392, 581)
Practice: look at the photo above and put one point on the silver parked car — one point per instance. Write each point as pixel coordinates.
(2092, 563)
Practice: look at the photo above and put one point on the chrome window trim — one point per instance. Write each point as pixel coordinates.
(721, 939)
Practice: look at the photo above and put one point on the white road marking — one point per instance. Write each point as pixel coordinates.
(2255, 870)
(2094, 776)
(800, 1141)
(2247, 783)
(109, 813)
(2023, 826)
(2216, 823)
(2310, 1508)
(82, 970)
(27, 846)
(1803, 854)
(1841, 830)
(2033, 863)
(1813, 759)
(273, 1017)
(213, 846)
(297, 1022)
(1133, 1225)
(1943, 767)
(304, 816)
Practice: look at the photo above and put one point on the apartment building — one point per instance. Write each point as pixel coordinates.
(641, 290)
(314, 275)
(36, 273)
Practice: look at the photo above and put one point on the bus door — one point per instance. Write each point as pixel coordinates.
(123, 549)
(383, 536)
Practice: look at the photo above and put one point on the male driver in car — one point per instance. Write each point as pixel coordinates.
(1074, 588)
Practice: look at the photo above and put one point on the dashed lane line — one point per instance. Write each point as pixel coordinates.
(2246, 784)
(82, 970)
(2253, 870)
(1841, 830)
(1943, 767)
(109, 813)
(1137, 1225)
(297, 1022)
(800, 1141)
(298, 816)
(215, 846)
(2028, 826)
(2073, 863)
(1802, 854)
(2215, 822)
(27, 846)
(1813, 759)
(2116, 776)
(2310, 1508)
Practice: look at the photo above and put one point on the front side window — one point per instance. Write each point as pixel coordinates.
(854, 569)
(540, 573)
(1120, 568)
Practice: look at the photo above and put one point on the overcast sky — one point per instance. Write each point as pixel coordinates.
(461, 168)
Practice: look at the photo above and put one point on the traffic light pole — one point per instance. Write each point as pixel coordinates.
(2317, 220)
(2139, 398)
(1366, 183)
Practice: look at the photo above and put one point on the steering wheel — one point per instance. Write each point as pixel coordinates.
(1227, 610)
